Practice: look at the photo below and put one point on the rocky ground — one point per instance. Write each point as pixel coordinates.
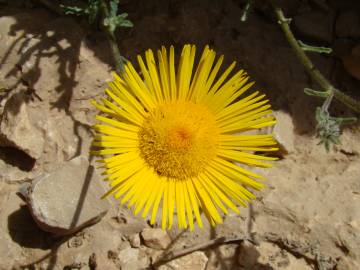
(51, 67)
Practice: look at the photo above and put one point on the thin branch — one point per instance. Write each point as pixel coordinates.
(309, 66)
(325, 106)
(213, 242)
(119, 63)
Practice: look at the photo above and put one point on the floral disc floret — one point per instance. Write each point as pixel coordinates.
(178, 139)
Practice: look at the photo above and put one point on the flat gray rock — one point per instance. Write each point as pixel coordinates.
(67, 199)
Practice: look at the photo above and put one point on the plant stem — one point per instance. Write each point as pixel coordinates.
(326, 104)
(317, 49)
(119, 63)
(309, 66)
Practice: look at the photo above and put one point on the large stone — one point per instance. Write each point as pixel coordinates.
(156, 238)
(194, 261)
(67, 199)
(16, 129)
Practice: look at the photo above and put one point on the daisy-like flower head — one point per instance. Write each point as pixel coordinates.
(171, 139)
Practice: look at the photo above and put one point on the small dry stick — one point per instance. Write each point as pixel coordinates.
(213, 242)
(316, 75)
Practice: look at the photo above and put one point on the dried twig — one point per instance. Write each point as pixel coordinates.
(213, 242)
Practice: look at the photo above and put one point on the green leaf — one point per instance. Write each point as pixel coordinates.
(347, 120)
(92, 10)
(73, 10)
(314, 93)
(316, 49)
(126, 23)
(122, 15)
(329, 128)
(113, 8)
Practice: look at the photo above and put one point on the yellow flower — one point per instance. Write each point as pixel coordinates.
(171, 138)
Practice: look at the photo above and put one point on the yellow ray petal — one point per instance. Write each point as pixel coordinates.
(230, 183)
(116, 187)
(245, 158)
(222, 78)
(173, 91)
(164, 216)
(159, 195)
(164, 74)
(236, 173)
(139, 197)
(242, 126)
(213, 74)
(150, 61)
(171, 201)
(240, 106)
(102, 108)
(206, 202)
(194, 200)
(123, 96)
(157, 183)
(188, 206)
(147, 77)
(246, 118)
(206, 183)
(117, 123)
(127, 106)
(180, 209)
(149, 192)
(139, 88)
(236, 191)
(122, 113)
(113, 131)
(111, 151)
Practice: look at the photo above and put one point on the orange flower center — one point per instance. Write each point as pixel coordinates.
(178, 139)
